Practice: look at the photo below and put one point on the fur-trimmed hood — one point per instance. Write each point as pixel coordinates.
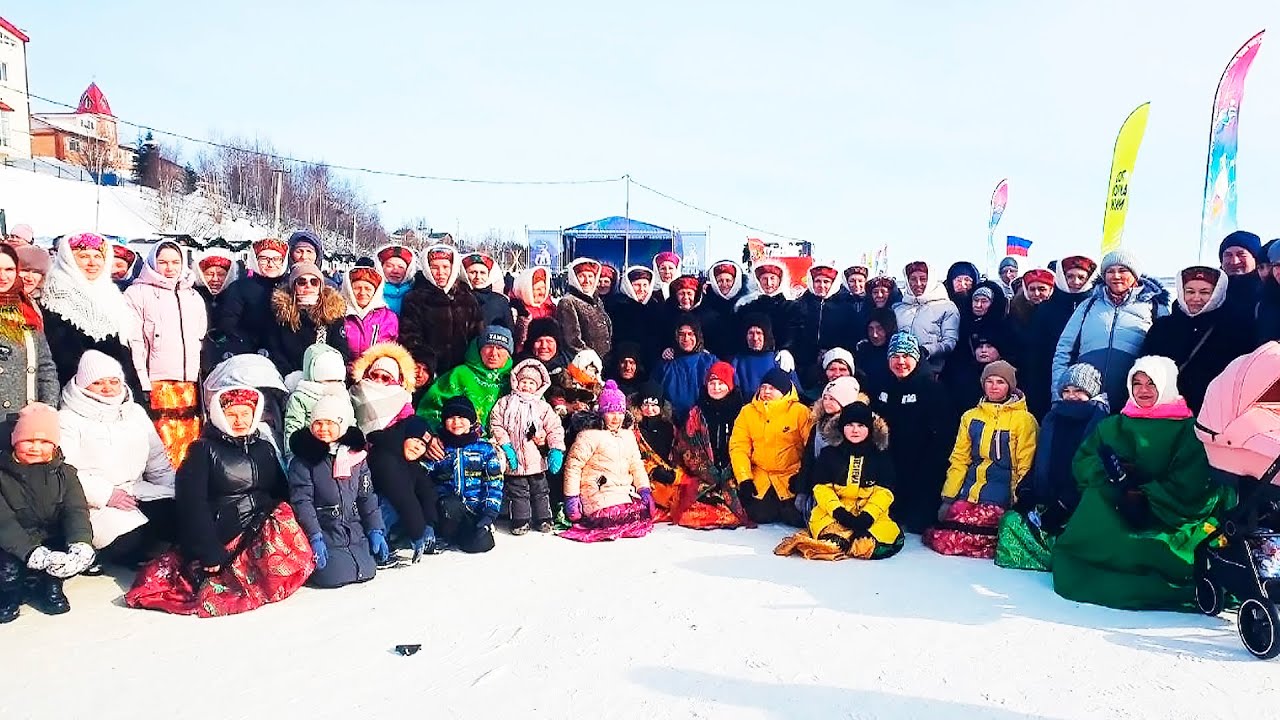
(311, 451)
(329, 309)
(833, 434)
(395, 351)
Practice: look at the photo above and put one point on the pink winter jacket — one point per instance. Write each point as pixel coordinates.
(378, 326)
(515, 410)
(168, 324)
(604, 469)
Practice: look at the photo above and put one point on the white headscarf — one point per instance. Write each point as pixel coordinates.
(96, 308)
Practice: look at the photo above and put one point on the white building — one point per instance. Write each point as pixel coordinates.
(15, 107)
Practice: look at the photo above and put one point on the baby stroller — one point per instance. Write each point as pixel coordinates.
(1240, 428)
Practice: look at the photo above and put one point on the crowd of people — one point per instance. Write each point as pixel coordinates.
(235, 430)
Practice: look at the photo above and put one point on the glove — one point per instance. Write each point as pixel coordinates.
(1134, 507)
(555, 461)
(944, 510)
(786, 363)
(857, 524)
(378, 545)
(121, 500)
(668, 355)
(663, 475)
(38, 560)
(425, 545)
(746, 487)
(320, 550)
(513, 461)
(77, 559)
(646, 497)
(573, 508)
(1111, 465)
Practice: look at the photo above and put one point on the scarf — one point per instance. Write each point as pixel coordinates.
(520, 418)
(18, 316)
(95, 308)
(90, 406)
(1174, 410)
(378, 406)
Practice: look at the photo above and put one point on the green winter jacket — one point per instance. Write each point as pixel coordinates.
(472, 379)
(1099, 558)
(41, 504)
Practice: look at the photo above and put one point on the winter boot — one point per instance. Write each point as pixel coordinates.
(521, 529)
(44, 593)
(545, 526)
(11, 575)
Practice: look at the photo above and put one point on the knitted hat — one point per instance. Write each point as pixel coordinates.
(723, 372)
(985, 292)
(612, 400)
(458, 406)
(34, 258)
(648, 390)
(843, 390)
(1003, 370)
(1245, 240)
(414, 427)
(529, 370)
(904, 343)
(23, 231)
(239, 396)
(1203, 273)
(1083, 376)
(94, 366)
(779, 380)
(1039, 275)
(1273, 251)
(334, 407)
(1123, 258)
(837, 355)
(328, 366)
(37, 421)
(627, 349)
(304, 269)
(498, 336)
(308, 237)
(857, 412)
(1009, 262)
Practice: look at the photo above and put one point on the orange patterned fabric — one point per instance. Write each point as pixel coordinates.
(175, 407)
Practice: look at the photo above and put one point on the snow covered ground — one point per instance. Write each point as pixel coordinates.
(682, 624)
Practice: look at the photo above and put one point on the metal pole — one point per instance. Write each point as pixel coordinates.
(626, 233)
(279, 173)
(355, 219)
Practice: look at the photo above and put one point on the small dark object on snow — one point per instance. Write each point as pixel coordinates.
(407, 650)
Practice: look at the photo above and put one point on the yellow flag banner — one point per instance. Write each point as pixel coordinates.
(1123, 159)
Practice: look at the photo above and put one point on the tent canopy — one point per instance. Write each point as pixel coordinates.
(616, 226)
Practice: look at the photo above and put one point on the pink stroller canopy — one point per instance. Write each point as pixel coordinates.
(1239, 423)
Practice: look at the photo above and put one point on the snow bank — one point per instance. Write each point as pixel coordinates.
(682, 624)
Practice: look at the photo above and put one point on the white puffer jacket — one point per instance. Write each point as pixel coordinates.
(113, 446)
(933, 319)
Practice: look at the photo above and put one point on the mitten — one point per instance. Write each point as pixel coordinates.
(786, 363)
(555, 461)
(378, 545)
(857, 524)
(78, 558)
(646, 497)
(747, 488)
(663, 475)
(425, 545)
(38, 560)
(320, 550)
(668, 355)
(513, 462)
(1134, 507)
(1111, 465)
(573, 508)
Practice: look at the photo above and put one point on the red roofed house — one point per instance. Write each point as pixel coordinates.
(15, 109)
(86, 137)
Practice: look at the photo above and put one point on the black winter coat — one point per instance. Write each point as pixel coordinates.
(1035, 373)
(296, 328)
(825, 324)
(242, 316)
(641, 324)
(404, 485)
(224, 486)
(495, 308)
(41, 505)
(438, 326)
(585, 324)
(1243, 292)
(1267, 314)
(1177, 335)
(68, 342)
(721, 333)
(785, 314)
(873, 363)
(922, 431)
(343, 510)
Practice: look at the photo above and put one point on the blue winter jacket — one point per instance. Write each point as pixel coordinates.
(394, 293)
(682, 379)
(474, 473)
(749, 369)
(1062, 432)
(1108, 336)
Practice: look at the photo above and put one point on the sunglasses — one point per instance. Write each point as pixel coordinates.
(382, 377)
(307, 282)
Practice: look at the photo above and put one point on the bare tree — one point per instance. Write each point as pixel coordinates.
(95, 155)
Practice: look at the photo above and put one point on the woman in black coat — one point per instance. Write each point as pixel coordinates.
(407, 494)
(440, 316)
(1201, 335)
(306, 312)
(241, 320)
(1074, 278)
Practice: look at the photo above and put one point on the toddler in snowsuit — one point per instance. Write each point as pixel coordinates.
(406, 494)
(850, 518)
(468, 479)
(524, 425)
(332, 496)
(45, 534)
(323, 372)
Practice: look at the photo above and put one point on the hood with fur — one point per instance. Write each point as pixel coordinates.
(395, 351)
(329, 309)
(544, 382)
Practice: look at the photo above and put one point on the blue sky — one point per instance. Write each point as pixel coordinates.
(849, 124)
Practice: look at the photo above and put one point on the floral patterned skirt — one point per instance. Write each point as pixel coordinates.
(269, 565)
(969, 530)
(629, 520)
(176, 409)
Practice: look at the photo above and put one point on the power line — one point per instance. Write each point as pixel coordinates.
(717, 215)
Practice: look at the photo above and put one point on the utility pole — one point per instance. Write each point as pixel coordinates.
(626, 233)
(279, 173)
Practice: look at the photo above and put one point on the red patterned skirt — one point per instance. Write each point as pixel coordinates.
(969, 529)
(630, 520)
(274, 562)
(176, 409)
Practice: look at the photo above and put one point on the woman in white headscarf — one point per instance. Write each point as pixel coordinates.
(84, 310)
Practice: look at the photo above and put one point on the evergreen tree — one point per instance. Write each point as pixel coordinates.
(144, 164)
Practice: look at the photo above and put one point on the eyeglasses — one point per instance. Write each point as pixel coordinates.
(307, 282)
(382, 377)
(270, 260)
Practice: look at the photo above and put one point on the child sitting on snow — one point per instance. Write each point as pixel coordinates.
(45, 534)
(332, 496)
(850, 518)
(656, 436)
(766, 449)
(992, 455)
(406, 494)
(468, 479)
(524, 425)
(607, 493)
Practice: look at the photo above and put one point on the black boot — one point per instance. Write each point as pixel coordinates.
(45, 594)
(11, 575)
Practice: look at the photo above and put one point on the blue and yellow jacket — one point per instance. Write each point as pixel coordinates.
(472, 472)
(993, 452)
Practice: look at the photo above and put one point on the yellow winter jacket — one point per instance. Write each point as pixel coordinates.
(993, 453)
(768, 442)
(874, 501)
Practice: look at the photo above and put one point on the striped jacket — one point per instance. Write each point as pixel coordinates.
(993, 453)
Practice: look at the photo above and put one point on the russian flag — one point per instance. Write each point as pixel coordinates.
(1017, 246)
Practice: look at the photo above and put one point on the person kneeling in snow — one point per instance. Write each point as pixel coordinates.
(524, 425)
(852, 497)
(607, 494)
(332, 496)
(45, 532)
(468, 479)
(406, 494)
